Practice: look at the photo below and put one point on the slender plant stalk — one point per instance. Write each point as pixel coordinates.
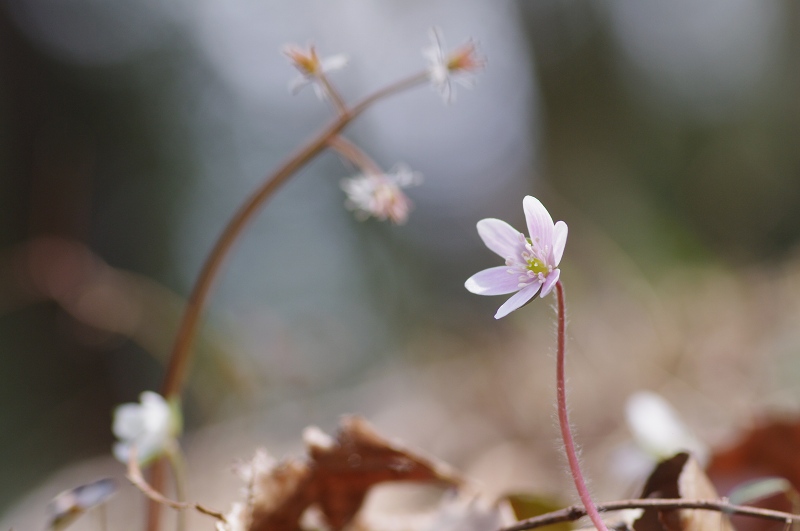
(570, 514)
(176, 461)
(180, 356)
(354, 154)
(563, 419)
(182, 347)
(157, 477)
(333, 94)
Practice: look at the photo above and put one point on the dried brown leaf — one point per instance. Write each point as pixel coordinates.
(336, 477)
(680, 477)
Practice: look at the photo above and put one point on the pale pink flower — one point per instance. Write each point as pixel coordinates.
(445, 68)
(531, 263)
(381, 195)
(311, 67)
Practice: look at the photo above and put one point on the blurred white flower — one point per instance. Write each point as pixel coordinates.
(151, 426)
(658, 433)
(380, 195)
(311, 68)
(658, 429)
(458, 66)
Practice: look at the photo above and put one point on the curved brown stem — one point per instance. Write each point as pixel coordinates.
(179, 360)
(354, 154)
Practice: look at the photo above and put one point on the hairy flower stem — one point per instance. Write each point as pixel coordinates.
(563, 419)
(182, 348)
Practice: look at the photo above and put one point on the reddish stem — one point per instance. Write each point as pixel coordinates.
(563, 419)
(157, 477)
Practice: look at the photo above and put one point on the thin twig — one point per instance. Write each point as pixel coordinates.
(175, 459)
(575, 512)
(336, 98)
(354, 154)
(135, 476)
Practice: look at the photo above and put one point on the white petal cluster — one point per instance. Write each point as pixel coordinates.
(312, 68)
(381, 195)
(149, 425)
(444, 69)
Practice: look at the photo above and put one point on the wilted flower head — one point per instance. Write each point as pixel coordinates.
(151, 426)
(457, 66)
(311, 67)
(531, 263)
(380, 195)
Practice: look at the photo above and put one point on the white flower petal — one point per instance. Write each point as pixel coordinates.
(334, 62)
(501, 238)
(122, 451)
(493, 281)
(559, 241)
(549, 282)
(127, 421)
(298, 83)
(540, 224)
(435, 52)
(404, 176)
(517, 300)
(438, 72)
(320, 91)
(147, 425)
(658, 428)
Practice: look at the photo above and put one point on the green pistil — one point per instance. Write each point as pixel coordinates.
(537, 266)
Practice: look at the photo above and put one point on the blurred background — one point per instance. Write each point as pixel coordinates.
(666, 135)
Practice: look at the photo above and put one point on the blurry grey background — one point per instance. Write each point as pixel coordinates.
(665, 133)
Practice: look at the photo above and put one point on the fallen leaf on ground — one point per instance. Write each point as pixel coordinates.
(336, 476)
(680, 477)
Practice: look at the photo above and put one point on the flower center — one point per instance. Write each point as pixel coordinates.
(537, 266)
(307, 62)
(464, 59)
